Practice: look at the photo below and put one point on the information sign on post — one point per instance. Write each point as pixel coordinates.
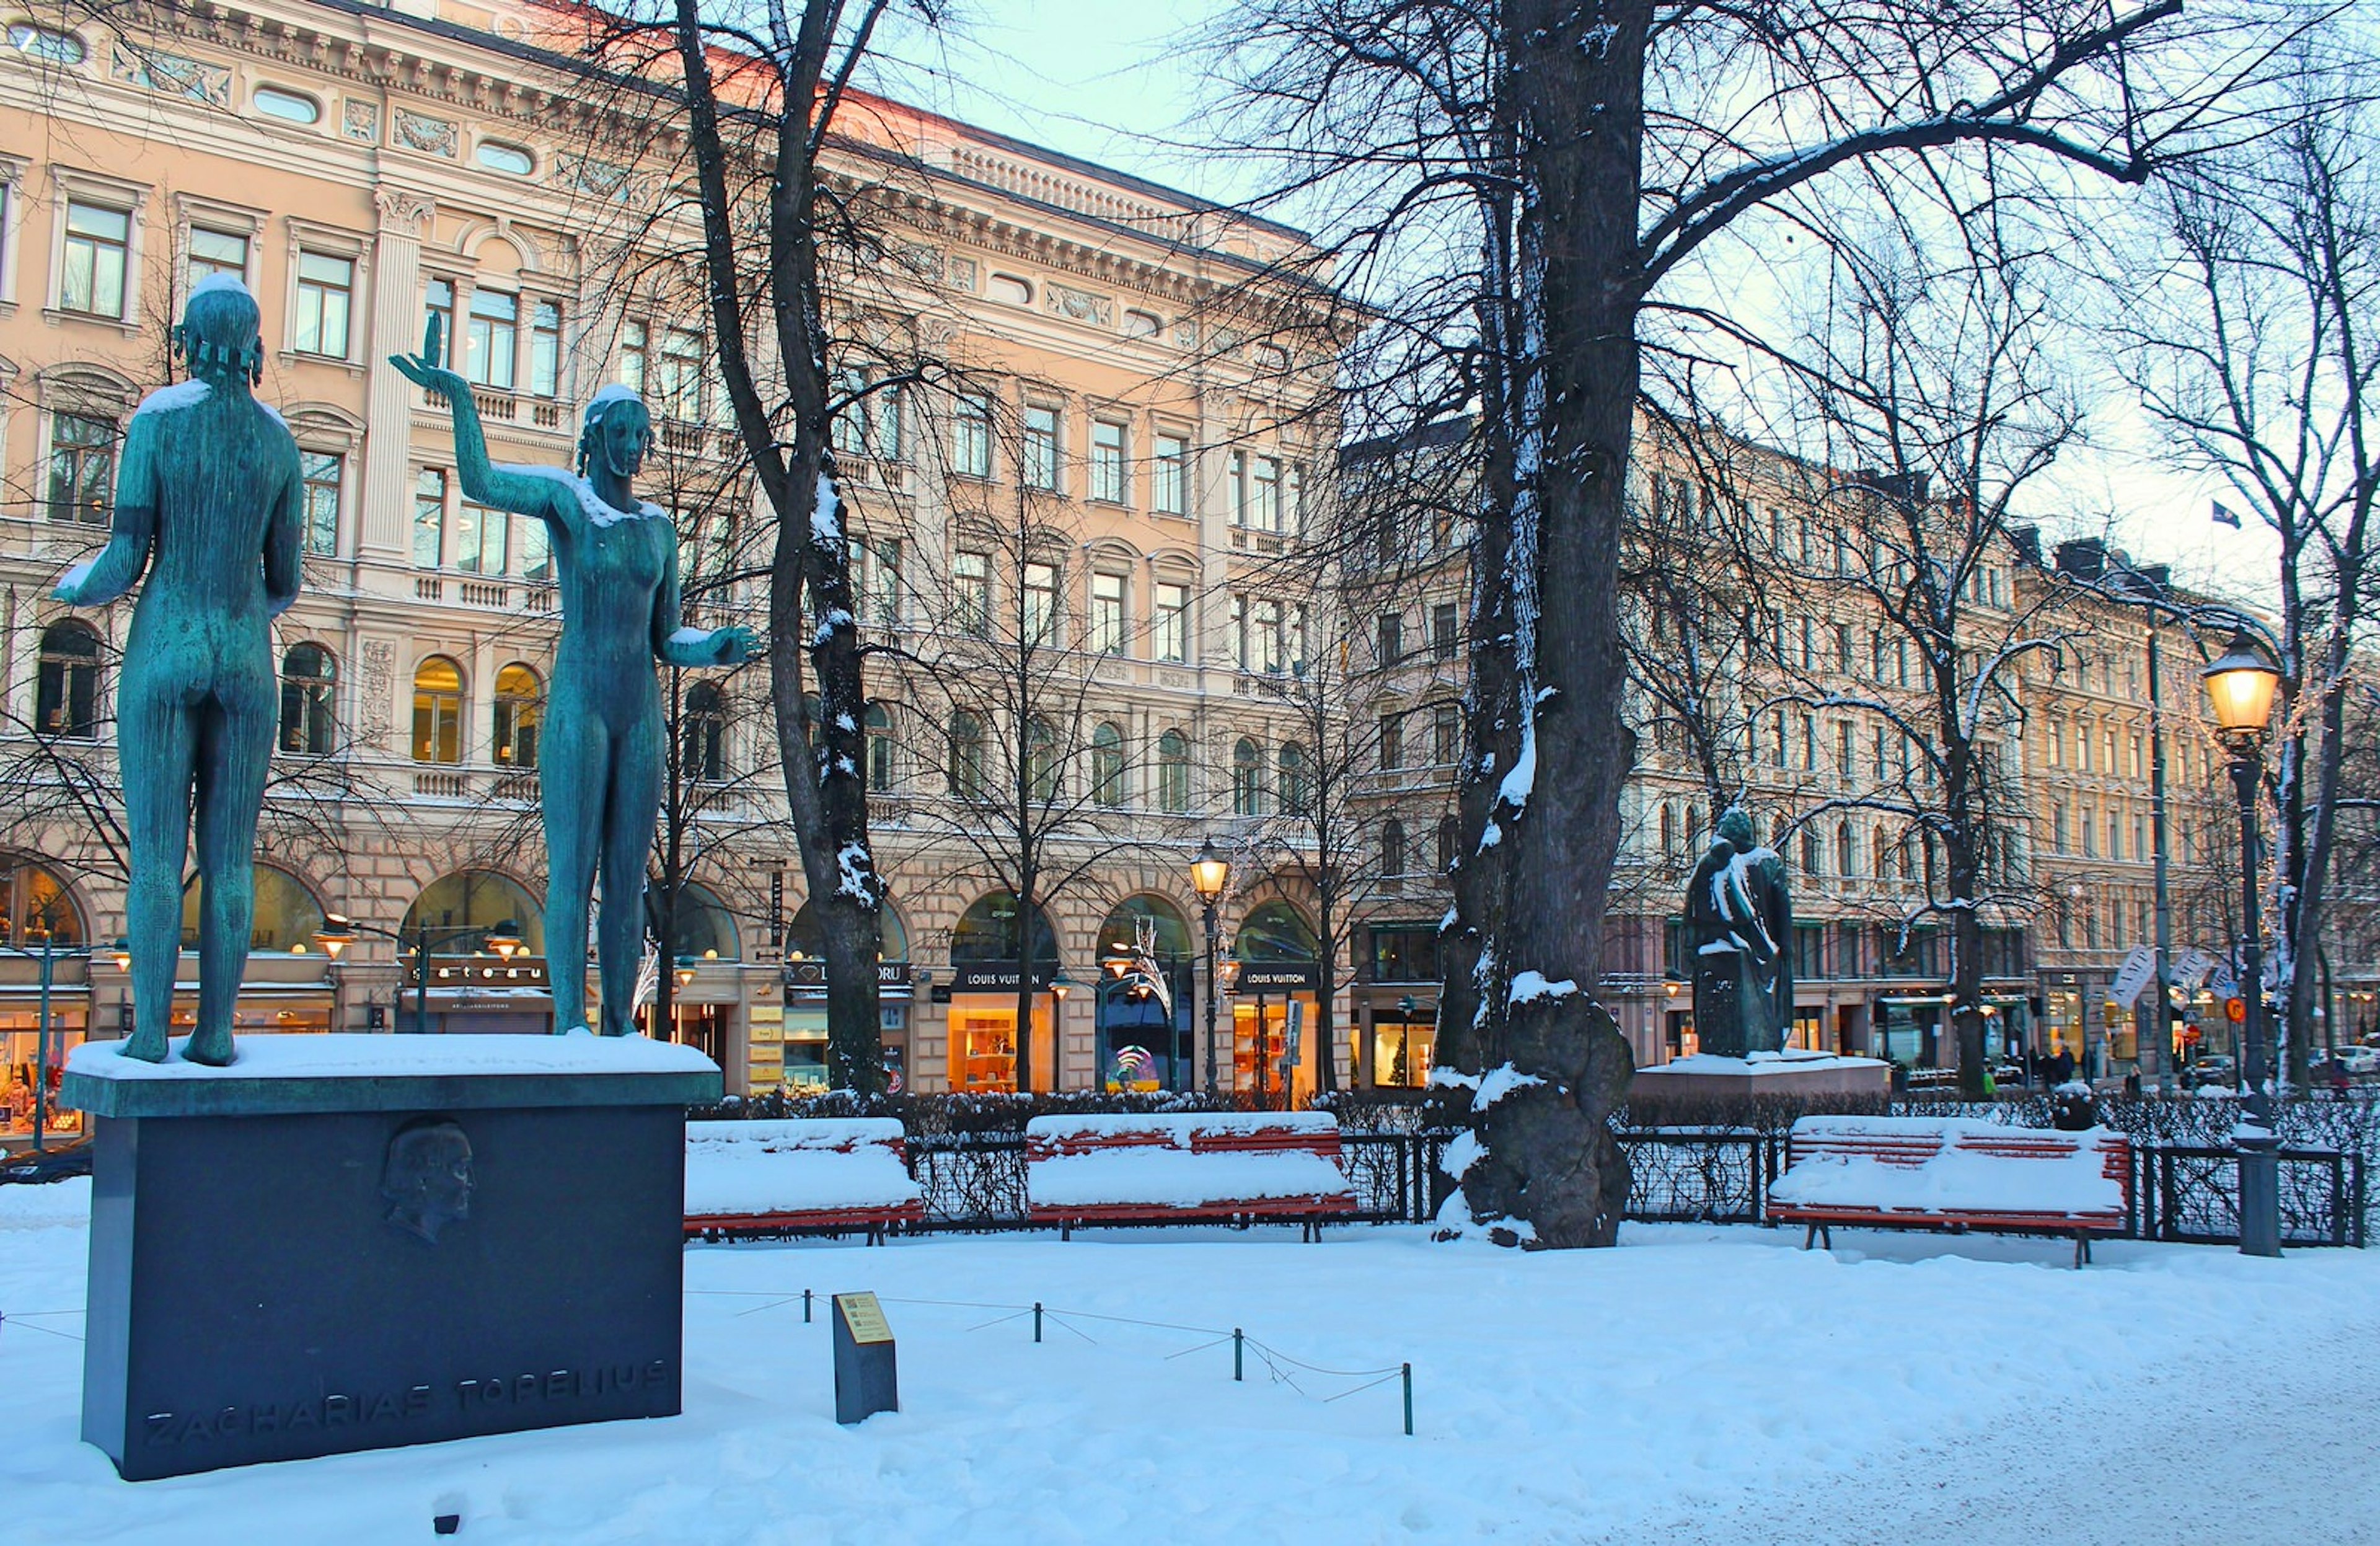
(864, 1382)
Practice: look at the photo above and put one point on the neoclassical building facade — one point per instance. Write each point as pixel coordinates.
(1111, 455)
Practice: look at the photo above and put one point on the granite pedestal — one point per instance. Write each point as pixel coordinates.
(1705, 1088)
(344, 1242)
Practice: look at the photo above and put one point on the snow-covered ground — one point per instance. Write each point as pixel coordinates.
(1698, 1386)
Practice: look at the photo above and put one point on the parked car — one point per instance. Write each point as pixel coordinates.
(2216, 1070)
(51, 1164)
(2359, 1060)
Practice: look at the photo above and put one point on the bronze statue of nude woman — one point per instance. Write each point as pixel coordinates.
(601, 751)
(207, 499)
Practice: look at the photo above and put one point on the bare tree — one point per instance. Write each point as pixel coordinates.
(2255, 346)
(1582, 158)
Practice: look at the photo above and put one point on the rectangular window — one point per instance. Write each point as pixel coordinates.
(681, 383)
(438, 305)
(1240, 631)
(1292, 500)
(880, 581)
(1107, 614)
(971, 438)
(1268, 636)
(1843, 745)
(849, 431)
(2090, 834)
(1239, 490)
(545, 349)
(536, 553)
(480, 539)
(490, 351)
(634, 343)
(1041, 449)
(1776, 747)
(323, 472)
(429, 517)
(971, 585)
(1880, 748)
(1810, 743)
(1389, 637)
(326, 295)
(82, 468)
(1445, 631)
(1392, 743)
(1172, 641)
(1108, 461)
(97, 257)
(217, 252)
(1041, 602)
(1168, 492)
(1264, 495)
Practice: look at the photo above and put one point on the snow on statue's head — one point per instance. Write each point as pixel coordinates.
(219, 333)
(614, 433)
(1736, 827)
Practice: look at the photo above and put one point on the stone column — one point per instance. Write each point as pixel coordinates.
(384, 526)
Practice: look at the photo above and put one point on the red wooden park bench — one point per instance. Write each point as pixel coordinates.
(1952, 1174)
(1233, 1167)
(826, 1175)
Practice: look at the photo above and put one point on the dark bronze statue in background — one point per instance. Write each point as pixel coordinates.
(1739, 927)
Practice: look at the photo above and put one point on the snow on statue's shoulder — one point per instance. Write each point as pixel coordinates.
(181, 394)
(598, 512)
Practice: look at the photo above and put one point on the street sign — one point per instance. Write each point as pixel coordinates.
(2235, 1010)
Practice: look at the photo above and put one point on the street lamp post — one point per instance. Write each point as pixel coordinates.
(42, 1040)
(2241, 685)
(1209, 872)
(338, 932)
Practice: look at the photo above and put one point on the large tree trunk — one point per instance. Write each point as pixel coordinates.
(1537, 1065)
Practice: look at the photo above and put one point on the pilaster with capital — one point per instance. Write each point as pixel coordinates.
(405, 214)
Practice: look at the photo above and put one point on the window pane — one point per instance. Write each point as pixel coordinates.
(1040, 469)
(82, 468)
(325, 290)
(1108, 461)
(322, 472)
(429, 517)
(545, 350)
(97, 251)
(1170, 476)
(214, 252)
(490, 353)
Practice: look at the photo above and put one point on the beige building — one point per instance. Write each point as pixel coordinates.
(1108, 398)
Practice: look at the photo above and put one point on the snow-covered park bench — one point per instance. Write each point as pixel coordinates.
(780, 1177)
(1915, 1173)
(1281, 1166)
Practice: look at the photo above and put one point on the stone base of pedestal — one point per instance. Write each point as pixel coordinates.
(346, 1242)
(1705, 1088)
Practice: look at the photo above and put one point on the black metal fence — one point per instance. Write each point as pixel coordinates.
(2185, 1189)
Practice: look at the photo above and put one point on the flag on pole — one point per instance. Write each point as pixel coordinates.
(2225, 518)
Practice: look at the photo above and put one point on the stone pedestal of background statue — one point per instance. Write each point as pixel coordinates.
(1707, 1088)
(347, 1242)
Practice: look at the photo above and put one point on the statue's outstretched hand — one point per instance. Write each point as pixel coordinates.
(437, 378)
(69, 586)
(734, 645)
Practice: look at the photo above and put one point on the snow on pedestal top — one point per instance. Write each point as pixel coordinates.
(350, 1071)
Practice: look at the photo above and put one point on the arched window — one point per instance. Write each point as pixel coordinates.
(700, 925)
(521, 706)
(308, 675)
(1846, 851)
(1813, 858)
(1880, 857)
(1450, 834)
(438, 710)
(1296, 780)
(879, 747)
(1669, 832)
(287, 914)
(66, 699)
(1247, 779)
(1174, 772)
(1107, 765)
(702, 734)
(460, 911)
(1274, 932)
(35, 904)
(989, 931)
(966, 756)
(1040, 758)
(1392, 851)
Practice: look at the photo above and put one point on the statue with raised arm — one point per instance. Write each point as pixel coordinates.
(1739, 926)
(599, 756)
(207, 501)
